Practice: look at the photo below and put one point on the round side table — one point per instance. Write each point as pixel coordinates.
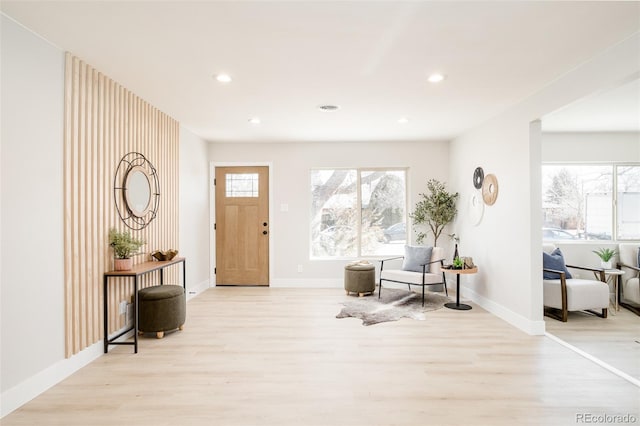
(613, 276)
(459, 306)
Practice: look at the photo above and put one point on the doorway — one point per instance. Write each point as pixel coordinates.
(242, 225)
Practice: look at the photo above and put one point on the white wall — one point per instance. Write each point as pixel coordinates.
(507, 242)
(31, 218)
(591, 147)
(291, 164)
(32, 274)
(194, 210)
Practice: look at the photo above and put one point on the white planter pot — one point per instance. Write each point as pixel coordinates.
(605, 265)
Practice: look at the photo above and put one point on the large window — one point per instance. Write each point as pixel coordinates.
(591, 202)
(358, 212)
(628, 203)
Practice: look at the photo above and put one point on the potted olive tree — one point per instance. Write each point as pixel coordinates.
(436, 209)
(124, 246)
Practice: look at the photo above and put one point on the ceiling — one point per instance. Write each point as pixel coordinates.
(371, 58)
(615, 110)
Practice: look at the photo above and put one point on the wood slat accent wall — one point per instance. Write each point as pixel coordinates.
(103, 122)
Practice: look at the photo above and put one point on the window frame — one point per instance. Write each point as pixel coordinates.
(358, 185)
(614, 197)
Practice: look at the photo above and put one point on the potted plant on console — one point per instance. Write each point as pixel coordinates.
(124, 246)
(605, 255)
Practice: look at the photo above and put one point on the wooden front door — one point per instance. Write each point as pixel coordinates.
(242, 225)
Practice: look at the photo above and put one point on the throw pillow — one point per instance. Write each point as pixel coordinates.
(415, 257)
(555, 260)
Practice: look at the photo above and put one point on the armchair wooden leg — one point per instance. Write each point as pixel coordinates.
(554, 313)
(604, 313)
(380, 288)
(565, 314)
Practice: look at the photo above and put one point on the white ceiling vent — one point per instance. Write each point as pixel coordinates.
(328, 108)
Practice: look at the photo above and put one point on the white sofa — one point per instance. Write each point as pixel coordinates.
(575, 294)
(630, 289)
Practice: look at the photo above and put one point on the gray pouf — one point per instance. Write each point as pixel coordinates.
(360, 278)
(161, 308)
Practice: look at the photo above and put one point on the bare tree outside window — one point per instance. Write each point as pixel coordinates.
(357, 212)
(577, 202)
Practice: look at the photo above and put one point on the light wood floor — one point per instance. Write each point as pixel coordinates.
(260, 356)
(614, 340)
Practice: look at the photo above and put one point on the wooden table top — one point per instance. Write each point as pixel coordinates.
(462, 271)
(145, 267)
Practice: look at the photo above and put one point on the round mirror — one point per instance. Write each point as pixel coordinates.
(138, 191)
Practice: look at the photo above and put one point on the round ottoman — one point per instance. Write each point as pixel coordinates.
(161, 308)
(360, 278)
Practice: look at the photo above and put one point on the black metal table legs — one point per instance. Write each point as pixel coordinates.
(458, 306)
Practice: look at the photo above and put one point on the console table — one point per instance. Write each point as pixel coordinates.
(136, 272)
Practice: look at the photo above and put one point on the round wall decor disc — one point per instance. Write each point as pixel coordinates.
(478, 177)
(476, 208)
(490, 189)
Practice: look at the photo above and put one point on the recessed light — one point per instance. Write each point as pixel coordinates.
(403, 120)
(223, 78)
(328, 108)
(436, 78)
(254, 120)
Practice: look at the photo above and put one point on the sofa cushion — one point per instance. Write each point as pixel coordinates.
(415, 257)
(581, 294)
(554, 260)
(410, 277)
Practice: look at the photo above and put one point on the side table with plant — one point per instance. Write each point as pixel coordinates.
(124, 246)
(605, 255)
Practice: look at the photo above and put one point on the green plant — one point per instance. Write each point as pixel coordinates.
(605, 253)
(123, 243)
(458, 263)
(436, 209)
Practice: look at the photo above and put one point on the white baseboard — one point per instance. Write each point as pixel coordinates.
(32, 387)
(533, 328)
(24, 392)
(307, 283)
(193, 291)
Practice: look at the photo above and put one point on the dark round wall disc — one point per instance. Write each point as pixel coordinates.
(478, 177)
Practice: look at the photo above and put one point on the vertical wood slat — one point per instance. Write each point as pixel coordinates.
(103, 122)
(67, 168)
